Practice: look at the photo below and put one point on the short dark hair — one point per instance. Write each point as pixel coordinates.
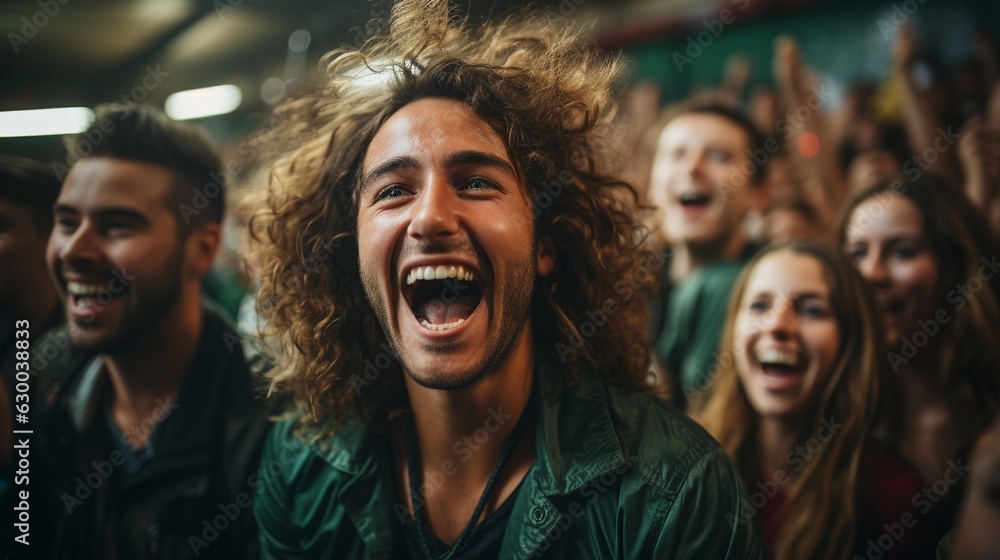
(720, 107)
(142, 133)
(28, 182)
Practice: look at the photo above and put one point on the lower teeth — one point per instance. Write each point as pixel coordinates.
(441, 327)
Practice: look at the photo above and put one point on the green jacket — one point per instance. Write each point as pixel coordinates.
(618, 475)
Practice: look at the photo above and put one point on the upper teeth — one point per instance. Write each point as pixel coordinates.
(440, 272)
(778, 357)
(79, 289)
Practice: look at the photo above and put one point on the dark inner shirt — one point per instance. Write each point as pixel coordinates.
(484, 543)
(134, 458)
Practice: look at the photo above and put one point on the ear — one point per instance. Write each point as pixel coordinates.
(200, 248)
(546, 256)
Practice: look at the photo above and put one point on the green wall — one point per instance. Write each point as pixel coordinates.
(846, 42)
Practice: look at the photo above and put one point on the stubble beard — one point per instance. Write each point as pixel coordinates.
(519, 282)
(136, 322)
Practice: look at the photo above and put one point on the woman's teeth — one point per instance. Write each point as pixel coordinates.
(778, 357)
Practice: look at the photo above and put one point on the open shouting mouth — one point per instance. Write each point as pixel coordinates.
(782, 369)
(694, 204)
(442, 296)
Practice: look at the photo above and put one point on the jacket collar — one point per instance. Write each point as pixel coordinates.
(184, 426)
(570, 415)
(575, 443)
(567, 416)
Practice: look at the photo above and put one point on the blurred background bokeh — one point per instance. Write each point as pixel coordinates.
(78, 53)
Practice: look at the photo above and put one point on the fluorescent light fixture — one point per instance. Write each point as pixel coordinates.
(45, 122)
(203, 102)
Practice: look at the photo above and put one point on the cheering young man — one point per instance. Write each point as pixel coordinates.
(457, 280)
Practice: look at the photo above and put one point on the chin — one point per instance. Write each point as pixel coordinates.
(450, 381)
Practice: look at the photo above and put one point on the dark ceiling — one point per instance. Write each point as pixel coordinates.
(62, 53)
(82, 52)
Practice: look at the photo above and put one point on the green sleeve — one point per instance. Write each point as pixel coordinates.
(274, 494)
(704, 521)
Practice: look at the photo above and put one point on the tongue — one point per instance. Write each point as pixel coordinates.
(777, 369)
(437, 312)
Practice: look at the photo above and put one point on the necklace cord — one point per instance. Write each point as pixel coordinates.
(413, 464)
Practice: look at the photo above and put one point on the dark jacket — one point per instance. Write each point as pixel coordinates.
(617, 475)
(192, 498)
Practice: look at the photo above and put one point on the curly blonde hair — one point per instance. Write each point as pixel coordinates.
(547, 92)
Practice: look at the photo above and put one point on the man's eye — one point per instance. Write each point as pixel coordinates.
(66, 224)
(479, 183)
(392, 191)
(718, 156)
(118, 227)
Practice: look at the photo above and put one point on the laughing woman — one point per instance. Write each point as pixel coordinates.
(925, 251)
(794, 402)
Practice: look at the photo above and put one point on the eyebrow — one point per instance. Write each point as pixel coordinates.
(467, 157)
(107, 213)
(463, 157)
(894, 238)
(64, 209)
(794, 296)
(811, 295)
(387, 167)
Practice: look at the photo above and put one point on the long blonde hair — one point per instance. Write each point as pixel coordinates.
(819, 519)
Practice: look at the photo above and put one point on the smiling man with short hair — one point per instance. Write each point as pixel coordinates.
(705, 178)
(467, 357)
(145, 393)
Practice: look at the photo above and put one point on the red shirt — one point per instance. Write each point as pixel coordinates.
(890, 526)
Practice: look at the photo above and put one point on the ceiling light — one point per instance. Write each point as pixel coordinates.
(45, 122)
(203, 102)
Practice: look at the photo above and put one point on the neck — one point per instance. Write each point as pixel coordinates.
(149, 376)
(450, 424)
(775, 437)
(461, 435)
(689, 256)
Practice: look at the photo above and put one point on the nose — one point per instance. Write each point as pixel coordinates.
(872, 267)
(692, 164)
(80, 246)
(781, 322)
(435, 212)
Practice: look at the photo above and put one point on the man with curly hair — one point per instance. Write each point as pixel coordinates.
(456, 280)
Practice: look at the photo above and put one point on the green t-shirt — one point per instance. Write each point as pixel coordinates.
(695, 317)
